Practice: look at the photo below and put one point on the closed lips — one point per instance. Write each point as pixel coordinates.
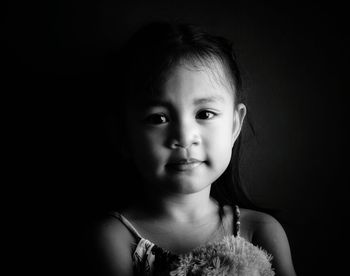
(184, 164)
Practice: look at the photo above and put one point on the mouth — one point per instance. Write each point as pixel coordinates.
(184, 165)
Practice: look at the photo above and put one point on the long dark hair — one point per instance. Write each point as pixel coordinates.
(144, 63)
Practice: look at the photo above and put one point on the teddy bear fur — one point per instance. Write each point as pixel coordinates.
(232, 256)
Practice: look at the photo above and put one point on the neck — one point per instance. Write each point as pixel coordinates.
(183, 208)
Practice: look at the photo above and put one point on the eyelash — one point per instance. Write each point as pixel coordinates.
(161, 118)
(206, 112)
(157, 119)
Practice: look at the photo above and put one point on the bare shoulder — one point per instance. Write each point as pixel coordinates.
(113, 246)
(112, 230)
(266, 232)
(256, 220)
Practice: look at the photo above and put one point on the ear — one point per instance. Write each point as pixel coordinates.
(239, 114)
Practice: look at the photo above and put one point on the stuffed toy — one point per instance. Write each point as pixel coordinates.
(232, 256)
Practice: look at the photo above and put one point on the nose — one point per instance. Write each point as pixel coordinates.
(184, 134)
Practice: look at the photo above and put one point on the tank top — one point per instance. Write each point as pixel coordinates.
(149, 259)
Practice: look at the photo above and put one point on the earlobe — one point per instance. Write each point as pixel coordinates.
(238, 119)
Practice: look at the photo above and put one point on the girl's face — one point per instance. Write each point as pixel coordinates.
(181, 140)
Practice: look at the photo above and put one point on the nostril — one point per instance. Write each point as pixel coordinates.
(185, 145)
(179, 145)
(184, 135)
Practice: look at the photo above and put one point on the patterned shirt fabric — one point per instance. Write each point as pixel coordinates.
(149, 259)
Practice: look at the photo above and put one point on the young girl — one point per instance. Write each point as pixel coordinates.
(180, 109)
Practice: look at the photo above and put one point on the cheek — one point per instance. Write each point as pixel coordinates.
(222, 132)
(146, 147)
(219, 143)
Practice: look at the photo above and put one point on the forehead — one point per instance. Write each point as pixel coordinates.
(188, 81)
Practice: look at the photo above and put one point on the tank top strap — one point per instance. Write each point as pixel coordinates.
(127, 224)
(236, 221)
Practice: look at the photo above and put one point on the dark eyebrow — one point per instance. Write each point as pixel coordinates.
(208, 100)
(156, 102)
(198, 101)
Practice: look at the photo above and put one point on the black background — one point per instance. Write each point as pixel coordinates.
(294, 61)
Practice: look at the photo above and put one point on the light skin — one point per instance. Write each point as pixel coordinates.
(181, 142)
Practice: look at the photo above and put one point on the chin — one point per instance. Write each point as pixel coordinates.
(188, 187)
(184, 182)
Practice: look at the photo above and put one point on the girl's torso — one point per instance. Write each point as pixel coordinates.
(152, 244)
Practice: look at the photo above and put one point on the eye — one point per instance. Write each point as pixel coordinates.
(157, 119)
(205, 115)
